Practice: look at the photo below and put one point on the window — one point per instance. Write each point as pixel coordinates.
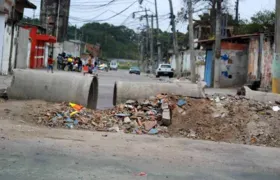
(165, 66)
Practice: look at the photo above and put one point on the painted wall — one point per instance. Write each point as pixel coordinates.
(233, 68)
(23, 52)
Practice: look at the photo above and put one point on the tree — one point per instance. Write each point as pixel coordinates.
(115, 41)
(262, 21)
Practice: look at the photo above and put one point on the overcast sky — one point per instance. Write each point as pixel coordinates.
(83, 11)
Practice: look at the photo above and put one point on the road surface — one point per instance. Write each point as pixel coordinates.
(37, 153)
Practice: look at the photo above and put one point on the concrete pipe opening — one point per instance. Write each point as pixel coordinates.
(93, 94)
(56, 87)
(124, 91)
(115, 94)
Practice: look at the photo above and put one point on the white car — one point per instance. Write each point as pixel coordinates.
(114, 65)
(164, 70)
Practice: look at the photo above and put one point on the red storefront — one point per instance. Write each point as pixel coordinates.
(38, 41)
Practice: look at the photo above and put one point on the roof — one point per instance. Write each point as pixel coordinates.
(243, 36)
(27, 4)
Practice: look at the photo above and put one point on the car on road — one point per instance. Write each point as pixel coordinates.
(134, 70)
(164, 70)
(114, 65)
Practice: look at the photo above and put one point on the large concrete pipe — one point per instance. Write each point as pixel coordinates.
(54, 87)
(124, 91)
(264, 97)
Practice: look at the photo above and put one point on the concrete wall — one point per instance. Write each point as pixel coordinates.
(233, 68)
(6, 49)
(267, 57)
(2, 32)
(23, 43)
(72, 48)
(253, 58)
(186, 58)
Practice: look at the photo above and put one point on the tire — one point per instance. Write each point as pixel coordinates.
(157, 75)
(171, 75)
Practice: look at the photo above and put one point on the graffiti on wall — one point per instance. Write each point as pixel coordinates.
(226, 63)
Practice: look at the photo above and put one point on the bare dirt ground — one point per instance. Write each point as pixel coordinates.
(232, 119)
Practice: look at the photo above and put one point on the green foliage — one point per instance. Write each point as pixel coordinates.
(262, 21)
(29, 20)
(115, 41)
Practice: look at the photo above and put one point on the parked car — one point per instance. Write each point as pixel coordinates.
(134, 70)
(164, 70)
(114, 65)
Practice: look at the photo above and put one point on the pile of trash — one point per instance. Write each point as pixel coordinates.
(147, 117)
(232, 119)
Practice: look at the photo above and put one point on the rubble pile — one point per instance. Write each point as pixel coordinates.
(233, 119)
(147, 117)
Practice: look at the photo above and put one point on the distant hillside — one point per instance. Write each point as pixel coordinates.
(115, 41)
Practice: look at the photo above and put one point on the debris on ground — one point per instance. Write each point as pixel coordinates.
(232, 119)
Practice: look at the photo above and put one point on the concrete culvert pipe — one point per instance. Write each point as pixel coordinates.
(124, 91)
(264, 97)
(54, 87)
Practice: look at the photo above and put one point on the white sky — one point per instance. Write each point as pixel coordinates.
(86, 11)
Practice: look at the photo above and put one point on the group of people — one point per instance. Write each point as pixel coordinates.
(72, 63)
(89, 66)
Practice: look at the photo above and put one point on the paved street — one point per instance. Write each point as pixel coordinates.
(34, 153)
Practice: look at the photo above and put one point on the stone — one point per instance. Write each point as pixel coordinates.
(127, 120)
(130, 102)
(164, 106)
(149, 125)
(166, 117)
(217, 100)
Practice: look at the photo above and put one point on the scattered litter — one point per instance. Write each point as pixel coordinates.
(141, 174)
(76, 106)
(153, 131)
(181, 102)
(275, 108)
(69, 125)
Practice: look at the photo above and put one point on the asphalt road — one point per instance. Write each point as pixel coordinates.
(37, 153)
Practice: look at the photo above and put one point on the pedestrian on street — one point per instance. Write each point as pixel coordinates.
(50, 63)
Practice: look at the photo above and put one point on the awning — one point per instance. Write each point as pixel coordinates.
(46, 38)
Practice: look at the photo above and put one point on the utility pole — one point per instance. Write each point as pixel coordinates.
(158, 42)
(236, 16)
(236, 12)
(75, 32)
(175, 44)
(141, 49)
(151, 63)
(276, 60)
(147, 39)
(217, 50)
(191, 39)
(57, 18)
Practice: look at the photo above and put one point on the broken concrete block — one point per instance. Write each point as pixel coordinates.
(149, 125)
(166, 117)
(127, 120)
(164, 106)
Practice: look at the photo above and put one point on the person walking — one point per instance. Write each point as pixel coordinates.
(50, 64)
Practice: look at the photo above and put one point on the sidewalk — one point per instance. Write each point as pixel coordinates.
(5, 81)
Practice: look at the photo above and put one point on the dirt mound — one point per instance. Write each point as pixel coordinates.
(233, 119)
